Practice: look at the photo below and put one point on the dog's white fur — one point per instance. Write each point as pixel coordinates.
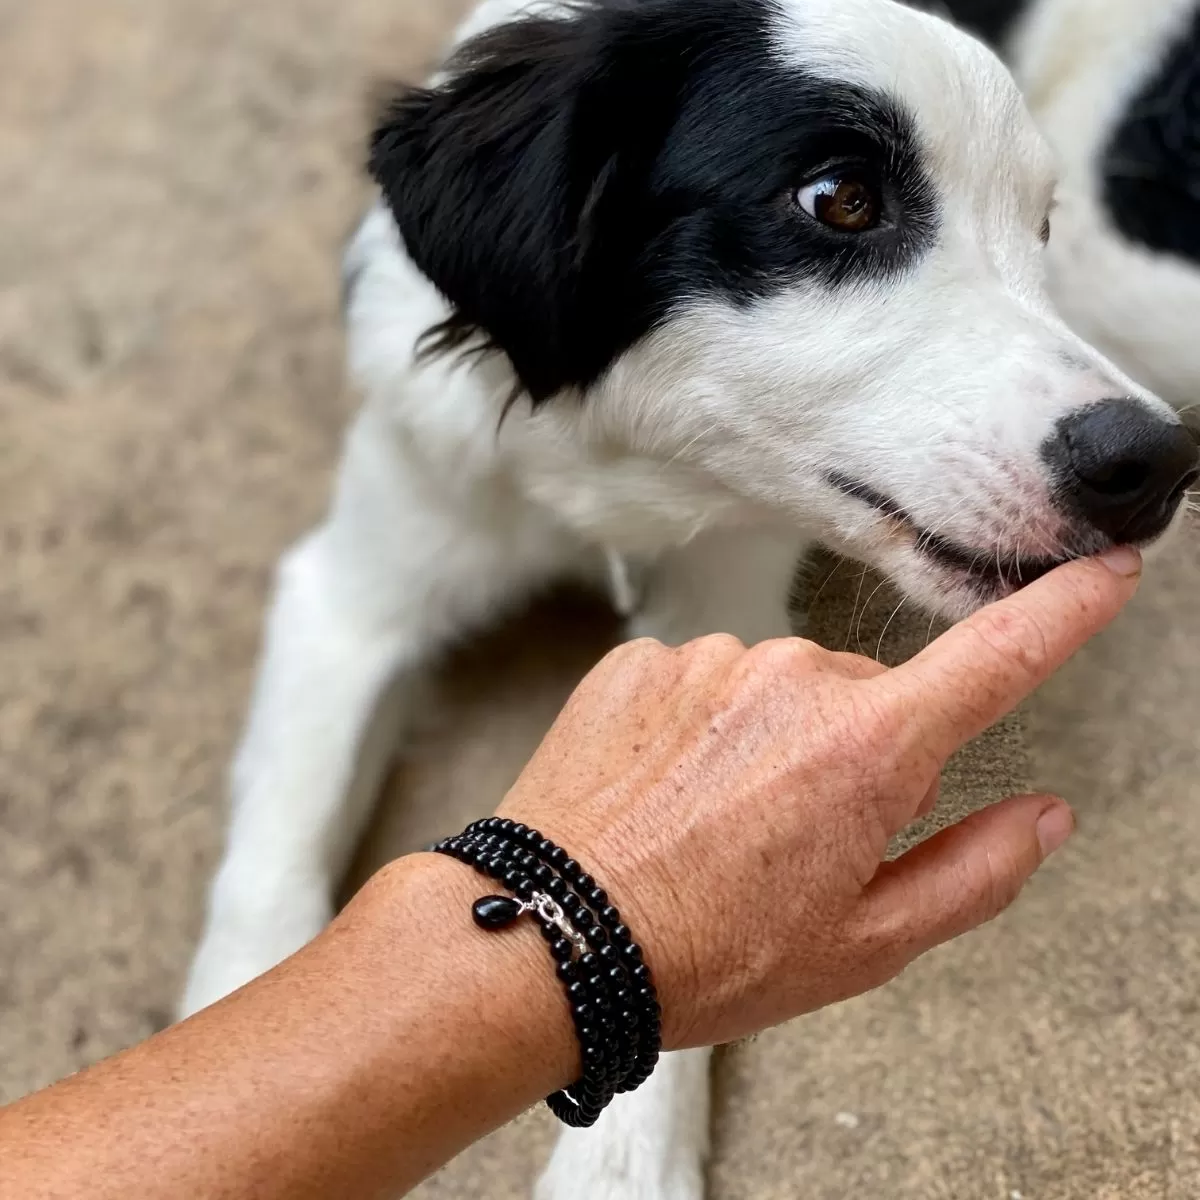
(1080, 63)
(699, 458)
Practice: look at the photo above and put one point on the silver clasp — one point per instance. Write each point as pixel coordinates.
(552, 913)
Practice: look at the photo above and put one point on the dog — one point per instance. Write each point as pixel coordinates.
(658, 293)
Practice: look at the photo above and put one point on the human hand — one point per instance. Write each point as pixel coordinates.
(737, 804)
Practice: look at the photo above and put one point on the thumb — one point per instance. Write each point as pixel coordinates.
(965, 875)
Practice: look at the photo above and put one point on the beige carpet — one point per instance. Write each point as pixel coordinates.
(177, 180)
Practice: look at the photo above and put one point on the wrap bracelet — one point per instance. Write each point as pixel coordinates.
(614, 1006)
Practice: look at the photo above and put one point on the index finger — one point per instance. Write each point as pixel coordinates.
(983, 667)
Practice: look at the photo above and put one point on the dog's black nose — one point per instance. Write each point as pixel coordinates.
(1122, 468)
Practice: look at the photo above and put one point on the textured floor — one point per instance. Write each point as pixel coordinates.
(178, 177)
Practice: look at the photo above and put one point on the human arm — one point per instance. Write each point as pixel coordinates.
(737, 805)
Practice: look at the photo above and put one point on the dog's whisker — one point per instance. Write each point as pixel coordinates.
(854, 606)
(887, 626)
(837, 566)
(861, 616)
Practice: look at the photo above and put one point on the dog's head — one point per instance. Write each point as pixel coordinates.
(797, 245)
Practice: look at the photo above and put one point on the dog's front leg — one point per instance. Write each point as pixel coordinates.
(401, 567)
(315, 748)
(653, 1143)
(648, 1145)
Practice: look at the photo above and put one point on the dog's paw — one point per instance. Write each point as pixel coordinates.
(238, 947)
(586, 1167)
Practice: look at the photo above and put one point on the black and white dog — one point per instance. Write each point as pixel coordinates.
(666, 291)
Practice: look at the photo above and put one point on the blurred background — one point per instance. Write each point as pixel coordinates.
(178, 180)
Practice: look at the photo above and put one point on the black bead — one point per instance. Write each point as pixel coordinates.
(561, 949)
(557, 888)
(511, 878)
(617, 976)
(549, 932)
(495, 912)
(571, 869)
(621, 935)
(641, 973)
(524, 887)
(545, 847)
(632, 951)
(609, 917)
(598, 898)
(566, 972)
(494, 823)
(623, 997)
(585, 883)
(578, 990)
(589, 1035)
(557, 857)
(494, 866)
(596, 983)
(608, 955)
(531, 837)
(589, 962)
(597, 937)
(543, 875)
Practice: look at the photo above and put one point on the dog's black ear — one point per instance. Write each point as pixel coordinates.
(491, 188)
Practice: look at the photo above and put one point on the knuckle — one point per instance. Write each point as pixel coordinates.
(790, 654)
(720, 645)
(641, 647)
(629, 659)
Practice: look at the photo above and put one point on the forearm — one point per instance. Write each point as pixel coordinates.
(357, 1067)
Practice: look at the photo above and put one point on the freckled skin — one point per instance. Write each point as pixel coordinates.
(736, 804)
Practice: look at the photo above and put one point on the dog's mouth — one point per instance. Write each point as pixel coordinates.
(990, 572)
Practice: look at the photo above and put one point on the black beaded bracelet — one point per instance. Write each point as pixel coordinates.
(614, 1006)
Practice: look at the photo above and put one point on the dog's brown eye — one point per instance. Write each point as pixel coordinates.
(842, 202)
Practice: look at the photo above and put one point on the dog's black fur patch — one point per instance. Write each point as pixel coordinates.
(577, 179)
(1151, 169)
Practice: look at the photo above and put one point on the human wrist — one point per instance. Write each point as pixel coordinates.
(522, 1025)
(645, 891)
(608, 985)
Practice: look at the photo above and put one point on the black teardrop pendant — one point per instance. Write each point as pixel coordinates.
(495, 912)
